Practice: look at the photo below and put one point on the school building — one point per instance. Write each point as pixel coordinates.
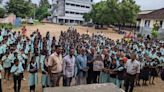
(69, 11)
(146, 20)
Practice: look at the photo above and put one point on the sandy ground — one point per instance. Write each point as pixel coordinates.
(55, 31)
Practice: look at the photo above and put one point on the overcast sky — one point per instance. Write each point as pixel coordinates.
(145, 4)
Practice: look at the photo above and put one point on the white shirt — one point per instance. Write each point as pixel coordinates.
(69, 66)
(132, 67)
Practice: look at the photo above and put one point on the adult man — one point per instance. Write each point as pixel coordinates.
(55, 62)
(81, 62)
(68, 67)
(132, 70)
(90, 57)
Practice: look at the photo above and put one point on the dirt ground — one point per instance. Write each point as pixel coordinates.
(55, 31)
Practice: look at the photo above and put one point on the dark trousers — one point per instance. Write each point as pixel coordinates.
(67, 81)
(0, 85)
(17, 83)
(129, 82)
(90, 77)
(96, 75)
(32, 88)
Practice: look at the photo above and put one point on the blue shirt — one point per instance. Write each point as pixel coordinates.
(81, 61)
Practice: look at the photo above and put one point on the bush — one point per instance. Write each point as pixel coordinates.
(154, 34)
(6, 25)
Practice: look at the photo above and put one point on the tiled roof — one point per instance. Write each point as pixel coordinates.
(156, 14)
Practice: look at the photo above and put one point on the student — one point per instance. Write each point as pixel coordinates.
(153, 71)
(45, 77)
(112, 71)
(16, 70)
(120, 73)
(6, 65)
(33, 76)
(1, 69)
(104, 75)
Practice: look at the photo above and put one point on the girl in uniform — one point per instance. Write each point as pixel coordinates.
(45, 76)
(153, 71)
(33, 76)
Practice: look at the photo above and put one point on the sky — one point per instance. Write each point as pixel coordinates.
(144, 4)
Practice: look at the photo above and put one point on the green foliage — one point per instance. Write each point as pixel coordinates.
(41, 13)
(112, 11)
(2, 12)
(87, 17)
(154, 32)
(20, 8)
(44, 3)
(6, 25)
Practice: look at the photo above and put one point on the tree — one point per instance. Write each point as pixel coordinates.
(154, 31)
(2, 12)
(41, 13)
(87, 17)
(20, 8)
(44, 3)
(113, 12)
(128, 11)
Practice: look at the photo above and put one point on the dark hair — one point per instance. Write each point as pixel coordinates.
(16, 60)
(57, 46)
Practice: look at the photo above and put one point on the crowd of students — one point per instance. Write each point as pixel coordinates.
(86, 59)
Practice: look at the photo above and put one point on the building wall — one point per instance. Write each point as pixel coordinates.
(147, 30)
(73, 10)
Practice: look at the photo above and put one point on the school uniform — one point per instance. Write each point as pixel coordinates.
(1, 38)
(33, 75)
(153, 71)
(1, 69)
(45, 76)
(113, 74)
(17, 77)
(104, 76)
(120, 75)
(6, 64)
(4, 48)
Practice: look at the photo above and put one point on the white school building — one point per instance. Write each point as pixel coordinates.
(70, 11)
(146, 20)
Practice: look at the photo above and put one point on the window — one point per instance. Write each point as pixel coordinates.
(78, 5)
(147, 23)
(87, 7)
(71, 12)
(67, 4)
(67, 12)
(72, 4)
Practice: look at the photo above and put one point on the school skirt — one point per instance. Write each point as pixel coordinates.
(104, 77)
(33, 79)
(45, 80)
